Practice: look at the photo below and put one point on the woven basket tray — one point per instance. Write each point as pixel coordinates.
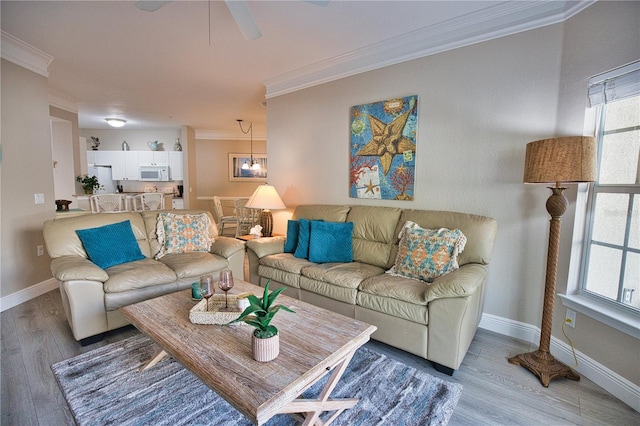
(199, 314)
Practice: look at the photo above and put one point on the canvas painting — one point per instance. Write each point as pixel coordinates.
(383, 148)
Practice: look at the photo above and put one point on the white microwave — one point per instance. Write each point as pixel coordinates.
(154, 173)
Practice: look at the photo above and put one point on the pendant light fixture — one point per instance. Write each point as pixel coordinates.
(253, 165)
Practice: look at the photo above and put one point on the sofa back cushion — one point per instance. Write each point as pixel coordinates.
(325, 212)
(373, 234)
(150, 218)
(479, 230)
(62, 240)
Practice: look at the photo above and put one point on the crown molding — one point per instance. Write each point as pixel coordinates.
(62, 101)
(23, 54)
(223, 135)
(497, 21)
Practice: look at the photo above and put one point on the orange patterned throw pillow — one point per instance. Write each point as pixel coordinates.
(426, 254)
(183, 233)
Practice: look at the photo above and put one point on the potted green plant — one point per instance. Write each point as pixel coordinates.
(260, 312)
(89, 184)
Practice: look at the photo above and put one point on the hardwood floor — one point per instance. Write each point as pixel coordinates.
(35, 335)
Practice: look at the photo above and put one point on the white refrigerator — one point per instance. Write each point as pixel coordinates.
(103, 173)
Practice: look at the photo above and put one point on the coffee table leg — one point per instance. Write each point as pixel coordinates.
(314, 407)
(154, 360)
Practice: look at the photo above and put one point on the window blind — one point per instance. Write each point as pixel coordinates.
(615, 85)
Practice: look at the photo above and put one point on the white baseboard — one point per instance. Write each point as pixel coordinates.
(618, 386)
(27, 294)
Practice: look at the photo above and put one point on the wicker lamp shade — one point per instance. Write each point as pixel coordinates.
(566, 159)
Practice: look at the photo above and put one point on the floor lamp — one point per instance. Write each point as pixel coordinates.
(265, 197)
(557, 160)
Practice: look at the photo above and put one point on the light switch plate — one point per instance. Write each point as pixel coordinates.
(38, 198)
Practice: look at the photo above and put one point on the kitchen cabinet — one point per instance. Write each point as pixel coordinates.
(124, 165)
(100, 158)
(176, 167)
(153, 158)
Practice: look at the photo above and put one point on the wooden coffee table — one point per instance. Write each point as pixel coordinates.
(314, 342)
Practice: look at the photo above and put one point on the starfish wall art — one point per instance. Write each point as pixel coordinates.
(383, 147)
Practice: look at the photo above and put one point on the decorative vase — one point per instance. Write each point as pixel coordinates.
(88, 191)
(265, 349)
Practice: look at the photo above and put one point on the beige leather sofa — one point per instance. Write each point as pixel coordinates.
(436, 321)
(92, 296)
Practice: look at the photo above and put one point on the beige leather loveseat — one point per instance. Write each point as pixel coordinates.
(92, 296)
(436, 320)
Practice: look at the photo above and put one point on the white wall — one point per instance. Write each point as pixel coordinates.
(478, 108)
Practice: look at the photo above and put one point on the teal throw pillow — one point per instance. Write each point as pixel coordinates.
(110, 245)
(331, 242)
(290, 244)
(302, 248)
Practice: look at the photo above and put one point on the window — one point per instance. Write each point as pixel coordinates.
(611, 265)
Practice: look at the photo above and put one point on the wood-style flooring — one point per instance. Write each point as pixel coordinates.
(35, 335)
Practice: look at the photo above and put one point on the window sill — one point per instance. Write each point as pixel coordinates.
(626, 322)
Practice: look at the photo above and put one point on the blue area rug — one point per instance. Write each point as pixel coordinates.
(104, 387)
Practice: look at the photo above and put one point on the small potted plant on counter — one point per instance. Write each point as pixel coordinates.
(89, 184)
(265, 340)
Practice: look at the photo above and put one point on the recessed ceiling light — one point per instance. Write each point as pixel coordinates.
(116, 122)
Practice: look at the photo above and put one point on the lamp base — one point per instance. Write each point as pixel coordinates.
(266, 221)
(545, 366)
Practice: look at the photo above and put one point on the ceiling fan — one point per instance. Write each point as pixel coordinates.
(239, 10)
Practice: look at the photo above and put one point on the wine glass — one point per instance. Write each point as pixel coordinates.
(225, 284)
(207, 288)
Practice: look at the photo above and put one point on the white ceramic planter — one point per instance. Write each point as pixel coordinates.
(265, 349)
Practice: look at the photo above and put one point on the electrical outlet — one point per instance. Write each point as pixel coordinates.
(570, 318)
(38, 198)
(40, 250)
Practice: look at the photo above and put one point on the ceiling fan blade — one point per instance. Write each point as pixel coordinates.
(150, 5)
(244, 19)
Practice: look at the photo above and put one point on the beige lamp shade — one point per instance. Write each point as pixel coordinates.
(565, 159)
(265, 197)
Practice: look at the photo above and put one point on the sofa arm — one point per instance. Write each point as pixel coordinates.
(70, 268)
(462, 282)
(259, 248)
(265, 246)
(226, 246)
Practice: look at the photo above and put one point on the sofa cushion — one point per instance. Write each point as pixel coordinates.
(342, 294)
(183, 233)
(138, 274)
(62, 240)
(373, 233)
(111, 244)
(194, 264)
(150, 226)
(285, 262)
(426, 254)
(396, 308)
(326, 212)
(293, 228)
(304, 233)
(395, 287)
(348, 275)
(330, 242)
(479, 230)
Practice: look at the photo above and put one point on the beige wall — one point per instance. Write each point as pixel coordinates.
(478, 108)
(26, 170)
(212, 166)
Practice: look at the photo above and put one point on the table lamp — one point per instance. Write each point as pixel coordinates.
(557, 160)
(266, 197)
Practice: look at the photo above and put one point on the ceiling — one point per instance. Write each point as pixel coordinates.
(188, 63)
